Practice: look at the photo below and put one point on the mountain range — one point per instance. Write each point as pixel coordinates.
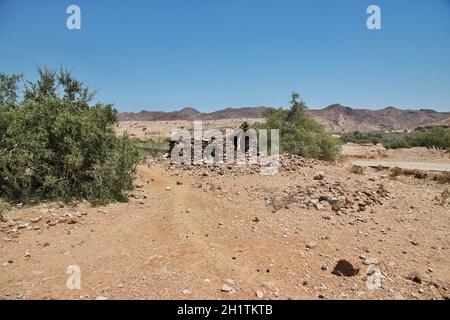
(336, 118)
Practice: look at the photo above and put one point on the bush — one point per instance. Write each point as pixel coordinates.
(443, 177)
(154, 146)
(395, 172)
(300, 134)
(55, 145)
(357, 169)
(436, 137)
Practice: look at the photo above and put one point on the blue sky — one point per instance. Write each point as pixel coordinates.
(210, 54)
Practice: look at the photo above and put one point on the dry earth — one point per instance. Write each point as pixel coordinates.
(229, 233)
(163, 129)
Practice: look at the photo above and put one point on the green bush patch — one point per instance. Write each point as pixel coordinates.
(56, 145)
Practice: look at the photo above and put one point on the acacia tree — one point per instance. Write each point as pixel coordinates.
(56, 144)
(299, 133)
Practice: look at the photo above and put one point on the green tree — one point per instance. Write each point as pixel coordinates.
(56, 144)
(299, 133)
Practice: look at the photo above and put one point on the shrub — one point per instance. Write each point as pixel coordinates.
(55, 145)
(357, 169)
(436, 137)
(154, 146)
(443, 177)
(300, 134)
(395, 172)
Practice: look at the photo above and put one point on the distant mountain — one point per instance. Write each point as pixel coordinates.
(144, 115)
(336, 118)
(339, 119)
(443, 122)
(191, 114)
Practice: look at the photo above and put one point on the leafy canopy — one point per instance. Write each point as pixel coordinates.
(55, 144)
(299, 133)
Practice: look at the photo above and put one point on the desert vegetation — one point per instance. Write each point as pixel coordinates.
(56, 145)
(299, 133)
(435, 137)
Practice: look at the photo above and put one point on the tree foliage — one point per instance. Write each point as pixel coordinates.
(435, 137)
(299, 133)
(55, 144)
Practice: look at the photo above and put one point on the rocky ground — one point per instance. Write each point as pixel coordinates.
(314, 231)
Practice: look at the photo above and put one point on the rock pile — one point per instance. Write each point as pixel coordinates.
(335, 196)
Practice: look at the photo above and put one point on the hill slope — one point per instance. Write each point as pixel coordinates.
(336, 117)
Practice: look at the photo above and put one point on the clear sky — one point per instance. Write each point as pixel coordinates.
(210, 54)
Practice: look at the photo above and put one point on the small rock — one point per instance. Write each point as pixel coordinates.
(259, 294)
(370, 261)
(414, 242)
(186, 292)
(319, 176)
(345, 268)
(71, 220)
(415, 277)
(311, 245)
(168, 189)
(101, 298)
(226, 288)
(319, 206)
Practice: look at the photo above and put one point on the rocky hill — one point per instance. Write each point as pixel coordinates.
(336, 118)
(344, 119)
(193, 114)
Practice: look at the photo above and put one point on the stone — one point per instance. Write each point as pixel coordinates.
(226, 288)
(259, 294)
(71, 220)
(319, 176)
(319, 206)
(370, 261)
(415, 277)
(311, 245)
(345, 268)
(414, 242)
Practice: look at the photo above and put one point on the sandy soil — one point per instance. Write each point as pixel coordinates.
(227, 233)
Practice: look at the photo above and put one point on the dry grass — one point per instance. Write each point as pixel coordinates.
(395, 172)
(443, 178)
(357, 169)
